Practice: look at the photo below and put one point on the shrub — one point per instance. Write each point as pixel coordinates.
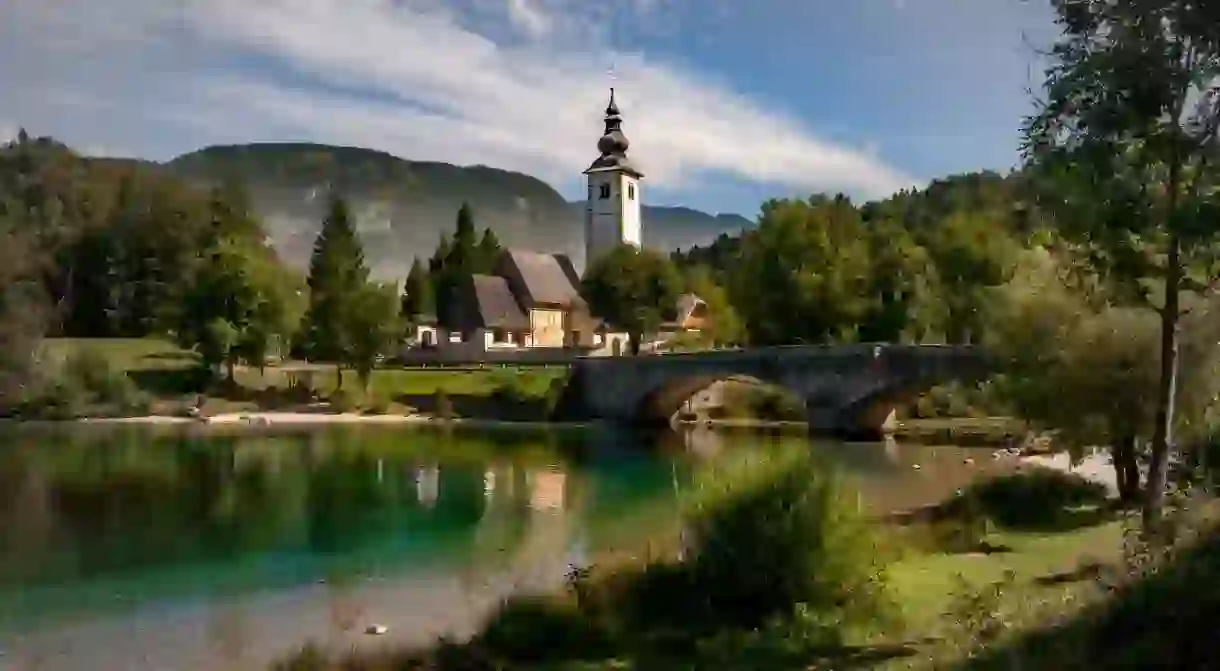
(533, 629)
(83, 383)
(777, 530)
(1039, 496)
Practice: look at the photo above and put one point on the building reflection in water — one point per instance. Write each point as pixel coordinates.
(546, 490)
(427, 484)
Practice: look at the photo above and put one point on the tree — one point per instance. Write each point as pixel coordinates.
(724, 325)
(220, 303)
(635, 289)
(22, 315)
(458, 259)
(488, 252)
(970, 253)
(336, 275)
(1076, 365)
(374, 328)
(1127, 134)
(804, 273)
(417, 296)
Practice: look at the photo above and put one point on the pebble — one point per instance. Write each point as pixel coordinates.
(376, 629)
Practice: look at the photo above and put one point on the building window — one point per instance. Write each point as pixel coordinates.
(630, 192)
(605, 192)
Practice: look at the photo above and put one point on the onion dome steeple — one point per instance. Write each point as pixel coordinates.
(613, 144)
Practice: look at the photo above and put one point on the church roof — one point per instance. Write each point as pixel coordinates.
(541, 279)
(488, 302)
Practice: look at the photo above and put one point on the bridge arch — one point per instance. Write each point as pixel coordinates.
(847, 389)
(662, 403)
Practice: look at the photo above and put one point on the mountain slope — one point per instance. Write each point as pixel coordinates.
(402, 207)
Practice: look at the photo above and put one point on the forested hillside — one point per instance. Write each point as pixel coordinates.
(402, 207)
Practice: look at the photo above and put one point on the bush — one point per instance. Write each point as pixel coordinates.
(763, 402)
(1037, 497)
(84, 383)
(533, 629)
(777, 530)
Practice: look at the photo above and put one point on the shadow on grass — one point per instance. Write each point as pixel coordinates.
(1165, 620)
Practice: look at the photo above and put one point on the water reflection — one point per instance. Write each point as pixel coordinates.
(234, 548)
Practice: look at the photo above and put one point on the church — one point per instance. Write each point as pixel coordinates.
(531, 301)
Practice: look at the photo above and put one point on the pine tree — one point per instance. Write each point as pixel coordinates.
(336, 274)
(417, 293)
(488, 252)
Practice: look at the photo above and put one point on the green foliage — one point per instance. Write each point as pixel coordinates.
(460, 256)
(634, 289)
(777, 530)
(725, 326)
(336, 276)
(1036, 498)
(534, 629)
(82, 384)
(373, 327)
(1124, 144)
(764, 402)
(417, 295)
(22, 317)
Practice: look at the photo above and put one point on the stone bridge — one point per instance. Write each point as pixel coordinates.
(850, 391)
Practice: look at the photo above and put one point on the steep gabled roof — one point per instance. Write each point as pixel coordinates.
(487, 302)
(541, 279)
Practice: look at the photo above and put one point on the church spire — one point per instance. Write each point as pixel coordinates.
(613, 144)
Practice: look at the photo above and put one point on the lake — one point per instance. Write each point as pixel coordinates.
(166, 548)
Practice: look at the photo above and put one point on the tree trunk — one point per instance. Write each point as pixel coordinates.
(231, 370)
(338, 376)
(635, 343)
(1126, 469)
(1167, 387)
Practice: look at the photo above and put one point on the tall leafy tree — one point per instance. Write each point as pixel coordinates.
(1127, 133)
(804, 275)
(725, 326)
(635, 289)
(336, 274)
(374, 328)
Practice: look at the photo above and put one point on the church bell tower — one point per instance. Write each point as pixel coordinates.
(612, 213)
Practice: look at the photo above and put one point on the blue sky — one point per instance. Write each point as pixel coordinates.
(726, 103)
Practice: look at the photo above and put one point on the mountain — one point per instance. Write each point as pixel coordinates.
(402, 207)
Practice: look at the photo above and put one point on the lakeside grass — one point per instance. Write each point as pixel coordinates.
(164, 370)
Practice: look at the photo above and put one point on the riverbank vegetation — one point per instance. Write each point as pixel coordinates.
(779, 567)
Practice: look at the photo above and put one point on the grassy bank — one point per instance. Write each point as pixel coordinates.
(130, 377)
(781, 571)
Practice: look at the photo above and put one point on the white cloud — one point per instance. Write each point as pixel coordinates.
(412, 77)
(529, 17)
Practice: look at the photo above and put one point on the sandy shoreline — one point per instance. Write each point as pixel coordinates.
(263, 418)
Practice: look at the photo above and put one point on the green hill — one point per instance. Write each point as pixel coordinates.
(402, 207)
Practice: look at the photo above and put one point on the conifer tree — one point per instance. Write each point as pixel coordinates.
(337, 274)
(417, 293)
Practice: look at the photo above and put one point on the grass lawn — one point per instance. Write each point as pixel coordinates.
(925, 584)
(159, 366)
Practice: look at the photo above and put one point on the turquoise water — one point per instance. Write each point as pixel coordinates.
(133, 547)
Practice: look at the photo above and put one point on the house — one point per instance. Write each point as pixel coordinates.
(690, 315)
(531, 300)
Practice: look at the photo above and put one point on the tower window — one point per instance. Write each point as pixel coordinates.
(630, 192)
(604, 194)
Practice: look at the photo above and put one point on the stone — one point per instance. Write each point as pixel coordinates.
(376, 629)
